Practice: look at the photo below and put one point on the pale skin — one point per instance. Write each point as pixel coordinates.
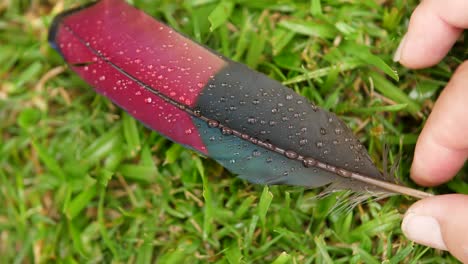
(442, 148)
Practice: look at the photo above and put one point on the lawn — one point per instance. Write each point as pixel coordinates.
(83, 182)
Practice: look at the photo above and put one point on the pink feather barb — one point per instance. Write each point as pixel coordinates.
(249, 123)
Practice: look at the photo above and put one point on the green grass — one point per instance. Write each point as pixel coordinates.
(81, 181)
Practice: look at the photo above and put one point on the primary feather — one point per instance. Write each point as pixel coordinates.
(249, 123)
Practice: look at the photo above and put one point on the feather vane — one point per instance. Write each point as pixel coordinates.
(249, 123)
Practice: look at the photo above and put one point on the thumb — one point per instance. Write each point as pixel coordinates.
(440, 222)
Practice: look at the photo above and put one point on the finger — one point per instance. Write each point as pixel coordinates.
(433, 29)
(442, 147)
(440, 222)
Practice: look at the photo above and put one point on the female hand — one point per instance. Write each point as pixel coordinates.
(442, 148)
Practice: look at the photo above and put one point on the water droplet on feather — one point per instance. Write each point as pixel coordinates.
(226, 131)
(303, 142)
(291, 154)
(319, 144)
(309, 162)
(213, 123)
(256, 153)
(251, 120)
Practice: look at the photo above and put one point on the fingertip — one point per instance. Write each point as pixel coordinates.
(442, 147)
(440, 222)
(434, 163)
(428, 39)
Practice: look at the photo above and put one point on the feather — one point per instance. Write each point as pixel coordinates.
(249, 123)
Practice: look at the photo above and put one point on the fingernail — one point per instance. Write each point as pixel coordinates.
(423, 230)
(397, 55)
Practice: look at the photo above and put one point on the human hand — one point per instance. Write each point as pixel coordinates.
(442, 148)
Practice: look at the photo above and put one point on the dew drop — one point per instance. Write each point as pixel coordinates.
(323, 131)
(226, 131)
(303, 142)
(255, 101)
(251, 120)
(291, 154)
(338, 131)
(212, 138)
(256, 153)
(188, 131)
(289, 97)
(200, 85)
(213, 123)
(309, 162)
(148, 100)
(319, 144)
(269, 160)
(102, 78)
